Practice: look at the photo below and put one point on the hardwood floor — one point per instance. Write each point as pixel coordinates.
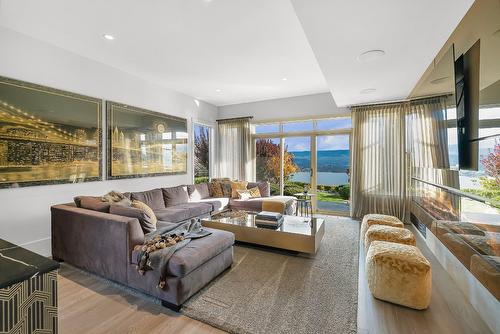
(449, 311)
(91, 305)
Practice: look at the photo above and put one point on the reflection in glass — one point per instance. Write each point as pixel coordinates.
(144, 142)
(47, 136)
(201, 153)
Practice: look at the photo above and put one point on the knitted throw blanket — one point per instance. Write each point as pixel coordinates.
(159, 247)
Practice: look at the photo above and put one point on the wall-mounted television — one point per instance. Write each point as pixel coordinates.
(467, 102)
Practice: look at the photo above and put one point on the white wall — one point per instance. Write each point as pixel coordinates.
(25, 212)
(298, 107)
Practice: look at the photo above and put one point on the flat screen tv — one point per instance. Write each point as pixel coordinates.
(467, 102)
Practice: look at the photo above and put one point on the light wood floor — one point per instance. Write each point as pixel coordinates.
(90, 305)
(449, 311)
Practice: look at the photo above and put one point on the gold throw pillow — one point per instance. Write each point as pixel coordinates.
(237, 185)
(146, 209)
(254, 192)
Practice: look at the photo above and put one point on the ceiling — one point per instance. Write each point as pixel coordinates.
(410, 32)
(234, 51)
(244, 48)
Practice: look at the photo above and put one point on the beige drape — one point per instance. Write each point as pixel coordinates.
(235, 149)
(391, 143)
(379, 167)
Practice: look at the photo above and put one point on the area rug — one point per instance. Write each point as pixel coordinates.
(268, 291)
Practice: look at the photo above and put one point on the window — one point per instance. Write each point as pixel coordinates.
(201, 159)
(298, 126)
(268, 162)
(309, 155)
(267, 128)
(334, 124)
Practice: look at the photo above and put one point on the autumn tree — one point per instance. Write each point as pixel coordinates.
(491, 165)
(268, 161)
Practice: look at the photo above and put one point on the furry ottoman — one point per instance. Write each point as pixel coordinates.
(376, 219)
(399, 274)
(388, 233)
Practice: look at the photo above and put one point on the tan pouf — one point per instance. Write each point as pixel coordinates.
(376, 219)
(388, 233)
(399, 274)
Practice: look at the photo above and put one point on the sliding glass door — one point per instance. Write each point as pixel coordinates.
(309, 155)
(333, 173)
(297, 169)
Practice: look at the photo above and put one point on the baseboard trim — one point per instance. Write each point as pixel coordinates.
(39, 246)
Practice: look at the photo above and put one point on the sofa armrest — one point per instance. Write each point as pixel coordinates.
(98, 242)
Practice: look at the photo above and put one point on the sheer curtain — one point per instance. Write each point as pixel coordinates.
(379, 164)
(235, 149)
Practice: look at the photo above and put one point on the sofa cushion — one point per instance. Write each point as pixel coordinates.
(195, 208)
(152, 198)
(172, 214)
(146, 221)
(175, 195)
(218, 204)
(178, 213)
(264, 188)
(252, 204)
(199, 251)
(91, 203)
(198, 191)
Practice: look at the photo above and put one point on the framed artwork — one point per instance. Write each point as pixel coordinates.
(47, 136)
(144, 143)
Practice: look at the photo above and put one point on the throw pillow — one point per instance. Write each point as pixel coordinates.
(146, 209)
(237, 185)
(144, 220)
(254, 192)
(116, 197)
(215, 189)
(226, 188)
(244, 194)
(91, 203)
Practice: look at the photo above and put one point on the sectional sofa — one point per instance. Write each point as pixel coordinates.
(89, 234)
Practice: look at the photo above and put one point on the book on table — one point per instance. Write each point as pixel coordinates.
(269, 216)
(274, 224)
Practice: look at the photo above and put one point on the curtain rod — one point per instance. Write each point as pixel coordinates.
(399, 101)
(234, 118)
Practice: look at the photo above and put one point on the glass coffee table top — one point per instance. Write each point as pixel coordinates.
(291, 224)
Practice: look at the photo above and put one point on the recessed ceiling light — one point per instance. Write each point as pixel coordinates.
(439, 80)
(367, 90)
(370, 55)
(218, 90)
(108, 37)
(284, 79)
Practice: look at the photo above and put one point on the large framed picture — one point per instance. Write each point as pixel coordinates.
(47, 136)
(144, 143)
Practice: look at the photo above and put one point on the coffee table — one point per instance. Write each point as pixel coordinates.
(298, 234)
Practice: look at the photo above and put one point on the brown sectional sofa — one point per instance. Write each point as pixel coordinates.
(91, 238)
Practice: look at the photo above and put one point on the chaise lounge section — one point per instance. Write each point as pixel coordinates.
(89, 234)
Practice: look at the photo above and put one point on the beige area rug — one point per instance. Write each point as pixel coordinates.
(268, 291)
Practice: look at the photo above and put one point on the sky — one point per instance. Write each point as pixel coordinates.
(325, 143)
